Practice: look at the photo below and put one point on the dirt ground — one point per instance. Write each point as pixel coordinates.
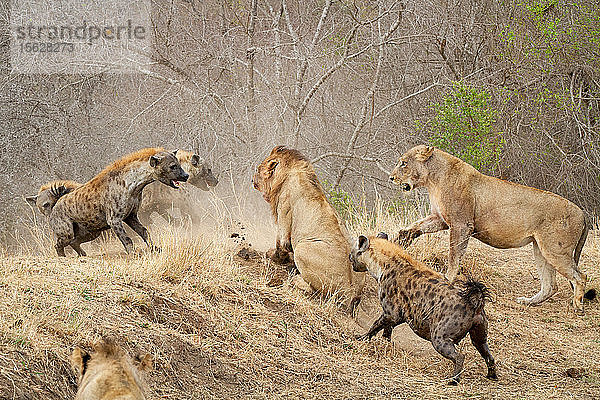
(223, 326)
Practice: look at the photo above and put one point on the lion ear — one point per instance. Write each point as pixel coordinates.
(272, 165)
(144, 363)
(278, 149)
(424, 153)
(79, 358)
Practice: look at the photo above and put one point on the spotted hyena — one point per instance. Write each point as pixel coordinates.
(156, 197)
(434, 308)
(111, 198)
(159, 198)
(49, 193)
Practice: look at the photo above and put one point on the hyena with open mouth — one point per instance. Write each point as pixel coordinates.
(111, 198)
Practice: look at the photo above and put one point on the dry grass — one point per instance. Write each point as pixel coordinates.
(217, 329)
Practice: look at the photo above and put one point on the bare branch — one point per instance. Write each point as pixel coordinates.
(370, 97)
(350, 156)
(408, 97)
(304, 64)
(250, 52)
(322, 80)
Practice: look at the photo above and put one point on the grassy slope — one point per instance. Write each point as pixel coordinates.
(218, 328)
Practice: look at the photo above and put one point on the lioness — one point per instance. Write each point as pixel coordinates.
(499, 213)
(108, 373)
(307, 225)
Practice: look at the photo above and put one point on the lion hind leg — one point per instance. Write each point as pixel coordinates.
(547, 276)
(459, 239)
(564, 263)
(325, 271)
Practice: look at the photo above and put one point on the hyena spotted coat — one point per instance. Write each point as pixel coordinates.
(111, 198)
(157, 197)
(434, 308)
(48, 195)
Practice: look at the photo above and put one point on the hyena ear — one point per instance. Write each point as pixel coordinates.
(31, 200)
(363, 243)
(144, 363)
(175, 152)
(382, 235)
(424, 153)
(196, 160)
(154, 161)
(79, 359)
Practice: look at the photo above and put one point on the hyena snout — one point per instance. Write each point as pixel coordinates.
(184, 176)
(176, 174)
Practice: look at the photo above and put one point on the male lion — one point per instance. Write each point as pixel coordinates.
(108, 373)
(499, 213)
(307, 225)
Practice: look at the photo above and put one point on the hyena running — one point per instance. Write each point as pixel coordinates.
(434, 308)
(111, 198)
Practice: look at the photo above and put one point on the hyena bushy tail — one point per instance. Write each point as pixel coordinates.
(475, 293)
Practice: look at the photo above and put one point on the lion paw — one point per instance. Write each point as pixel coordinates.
(537, 299)
(299, 283)
(280, 257)
(528, 301)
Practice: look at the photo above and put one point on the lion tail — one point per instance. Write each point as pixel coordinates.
(475, 293)
(581, 242)
(590, 294)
